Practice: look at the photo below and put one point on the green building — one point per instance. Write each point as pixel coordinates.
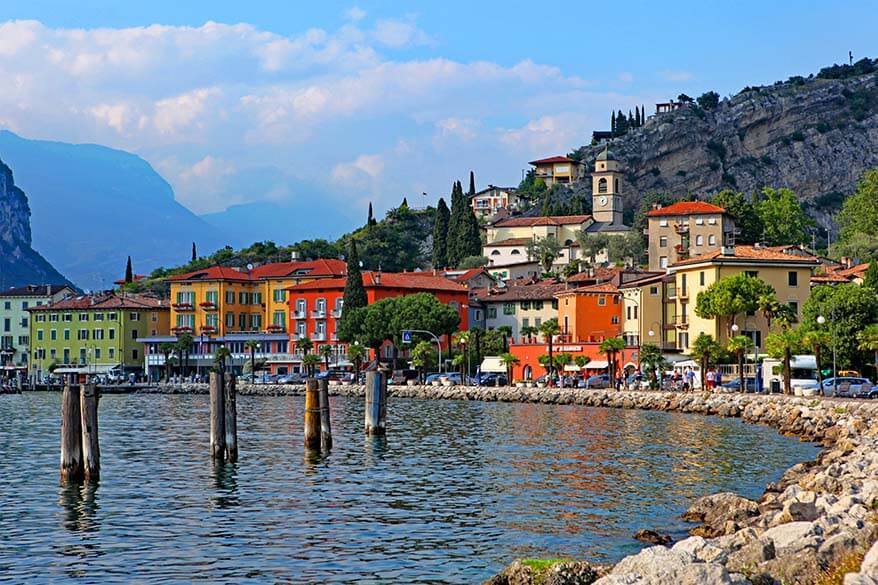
(15, 322)
(94, 334)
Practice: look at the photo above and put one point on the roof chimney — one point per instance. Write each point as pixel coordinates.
(294, 255)
(377, 276)
(728, 250)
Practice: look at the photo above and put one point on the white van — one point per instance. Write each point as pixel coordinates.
(803, 375)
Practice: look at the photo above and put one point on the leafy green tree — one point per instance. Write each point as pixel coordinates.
(611, 347)
(183, 345)
(532, 188)
(591, 246)
(318, 248)
(310, 362)
(708, 100)
(440, 235)
(867, 340)
(782, 345)
(422, 357)
(783, 218)
(305, 344)
(354, 296)
(846, 309)
(549, 329)
(740, 345)
(858, 219)
(870, 279)
(544, 251)
(818, 341)
(356, 353)
(563, 360)
(747, 220)
(394, 244)
(629, 247)
(529, 331)
(326, 353)
(581, 361)
(510, 361)
(473, 262)
(730, 296)
(424, 311)
(651, 358)
(706, 350)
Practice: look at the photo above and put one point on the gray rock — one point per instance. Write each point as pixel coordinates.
(750, 555)
(661, 566)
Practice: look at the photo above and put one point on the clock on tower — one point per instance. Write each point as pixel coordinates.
(606, 189)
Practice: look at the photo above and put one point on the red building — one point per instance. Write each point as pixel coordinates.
(316, 306)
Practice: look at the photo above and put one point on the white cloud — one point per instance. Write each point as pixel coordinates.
(547, 135)
(116, 116)
(399, 33)
(355, 13)
(179, 113)
(359, 171)
(464, 129)
(676, 75)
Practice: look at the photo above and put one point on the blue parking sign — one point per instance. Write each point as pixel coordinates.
(406, 336)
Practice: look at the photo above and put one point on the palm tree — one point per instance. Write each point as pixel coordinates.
(612, 346)
(356, 353)
(770, 307)
(506, 332)
(305, 344)
(740, 345)
(867, 340)
(783, 344)
(310, 361)
(529, 331)
(550, 329)
(705, 349)
(184, 342)
(220, 355)
(651, 357)
(326, 352)
(817, 339)
(509, 360)
(562, 360)
(252, 345)
(166, 349)
(581, 361)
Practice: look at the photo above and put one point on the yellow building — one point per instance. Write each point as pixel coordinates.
(642, 312)
(786, 268)
(558, 169)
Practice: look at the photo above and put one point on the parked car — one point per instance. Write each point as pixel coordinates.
(598, 381)
(292, 378)
(491, 379)
(848, 387)
(334, 375)
(735, 385)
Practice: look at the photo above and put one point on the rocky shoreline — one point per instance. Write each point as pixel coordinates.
(820, 518)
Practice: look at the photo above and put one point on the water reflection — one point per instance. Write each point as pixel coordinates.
(451, 494)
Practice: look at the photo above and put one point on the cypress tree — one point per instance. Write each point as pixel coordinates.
(405, 203)
(472, 185)
(440, 234)
(194, 253)
(354, 294)
(472, 237)
(613, 123)
(370, 221)
(129, 273)
(637, 116)
(456, 226)
(630, 120)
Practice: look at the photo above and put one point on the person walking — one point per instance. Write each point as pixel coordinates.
(711, 379)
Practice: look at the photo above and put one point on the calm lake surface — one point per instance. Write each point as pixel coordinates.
(454, 493)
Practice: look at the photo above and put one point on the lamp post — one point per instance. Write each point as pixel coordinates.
(821, 320)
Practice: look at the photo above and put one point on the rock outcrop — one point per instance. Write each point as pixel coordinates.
(20, 264)
(815, 136)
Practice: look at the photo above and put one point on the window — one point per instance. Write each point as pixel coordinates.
(663, 241)
(683, 282)
(7, 305)
(185, 297)
(82, 334)
(111, 316)
(97, 353)
(537, 322)
(134, 354)
(554, 303)
(256, 322)
(182, 321)
(211, 320)
(211, 296)
(711, 240)
(83, 316)
(230, 320)
(752, 273)
(99, 317)
(515, 252)
(508, 308)
(615, 319)
(53, 334)
(663, 261)
(279, 318)
(793, 278)
(134, 316)
(701, 278)
(134, 334)
(525, 322)
(794, 307)
(525, 305)
(663, 223)
(699, 240)
(242, 298)
(280, 295)
(39, 334)
(683, 341)
(602, 300)
(242, 322)
(67, 335)
(52, 353)
(537, 305)
(602, 186)
(653, 291)
(98, 334)
(230, 297)
(257, 298)
(53, 317)
(699, 221)
(112, 353)
(492, 312)
(82, 355)
(712, 221)
(68, 317)
(628, 313)
(7, 324)
(111, 333)
(301, 306)
(154, 316)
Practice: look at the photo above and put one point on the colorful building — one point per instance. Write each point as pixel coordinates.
(315, 307)
(521, 305)
(529, 367)
(558, 169)
(488, 202)
(15, 322)
(686, 229)
(94, 334)
(591, 313)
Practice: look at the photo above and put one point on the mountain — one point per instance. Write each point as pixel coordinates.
(20, 264)
(815, 135)
(93, 206)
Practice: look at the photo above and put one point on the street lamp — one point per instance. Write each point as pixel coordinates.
(821, 320)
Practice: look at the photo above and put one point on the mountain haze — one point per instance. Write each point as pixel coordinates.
(93, 206)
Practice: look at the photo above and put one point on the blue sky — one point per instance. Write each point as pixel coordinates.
(373, 101)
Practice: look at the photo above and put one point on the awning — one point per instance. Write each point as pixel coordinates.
(493, 365)
(97, 369)
(571, 368)
(597, 365)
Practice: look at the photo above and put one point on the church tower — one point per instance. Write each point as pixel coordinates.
(606, 189)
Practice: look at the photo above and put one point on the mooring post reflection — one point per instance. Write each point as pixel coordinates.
(79, 503)
(225, 480)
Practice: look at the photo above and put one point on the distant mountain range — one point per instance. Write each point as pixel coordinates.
(93, 206)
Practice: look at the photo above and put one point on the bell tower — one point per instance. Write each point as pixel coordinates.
(606, 189)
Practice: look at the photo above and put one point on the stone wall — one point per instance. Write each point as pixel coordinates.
(819, 515)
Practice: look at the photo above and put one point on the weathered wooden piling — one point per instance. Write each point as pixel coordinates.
(217, 417)
(376, 408)
(325, 424)
(231, 419)
(89, 398)
(312, 414)
(71, 434)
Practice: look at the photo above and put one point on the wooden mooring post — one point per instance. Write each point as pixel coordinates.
(325, 424)
(89, 397)
(217, 417)
(376, 407)
(231, 418)
(312, 414)
(71, 433)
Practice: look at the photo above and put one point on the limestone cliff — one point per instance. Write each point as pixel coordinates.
(19, 263)
(815, 136)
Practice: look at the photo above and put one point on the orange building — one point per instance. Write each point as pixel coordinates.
(529, 367)
(315, 307)
(591, 313)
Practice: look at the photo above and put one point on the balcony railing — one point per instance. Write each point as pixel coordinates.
(183, 306)
(276, 328)
(682, 321)
(318, 314)
(336, 313)
(681, 228)
(208, 305)
(318, 336)
(298, 314)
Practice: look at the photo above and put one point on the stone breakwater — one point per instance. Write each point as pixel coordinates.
(821, 515)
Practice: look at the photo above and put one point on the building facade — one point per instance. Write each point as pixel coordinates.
(590, 313)
(94, 334)
(521, 305)
(488, 202)
(15, 322)
(686, 229)
(558, 169)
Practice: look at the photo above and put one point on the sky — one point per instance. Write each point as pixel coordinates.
(240, 102)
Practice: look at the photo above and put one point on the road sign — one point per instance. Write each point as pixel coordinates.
(406, 336)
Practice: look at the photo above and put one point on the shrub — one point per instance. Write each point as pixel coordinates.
(797, 136)
(717, 148)
(823, 127)
(681, 173)
(655, 171)
(714, 165)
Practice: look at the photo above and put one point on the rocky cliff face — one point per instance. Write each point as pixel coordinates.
(815, 136)
(19, 263)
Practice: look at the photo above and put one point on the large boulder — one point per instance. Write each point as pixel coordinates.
(546, 573)
(662, 566)
(719, 513)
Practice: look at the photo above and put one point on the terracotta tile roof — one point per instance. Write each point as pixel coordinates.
(600, 274)
(426, 281)
(137, 278)
(685, 208)
(829, 277)
(647, 278)
(539, 221)
(471, 273)
(553, 159)
(103, 301)
(524, 292)
(34, 290)
(307, 268)
(600, 288)
(510, 242)
(854, 271)
(751, 254)
(214, 273)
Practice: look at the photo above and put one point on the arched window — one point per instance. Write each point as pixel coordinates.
(568, 242)
(602, 186)
(617, 185)
(699, 240)
(495, 253)
(515, 252)
(711, 239)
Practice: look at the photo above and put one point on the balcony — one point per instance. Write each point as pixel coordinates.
(276, 328)
(298, 314)
(182, 329)
(183, 306)
(681, 322)
(681, 228)
(682, 251)
(336, 313)
(318, 314)
(209, 329)
(208, 305)
(318, 336)
(684, 294)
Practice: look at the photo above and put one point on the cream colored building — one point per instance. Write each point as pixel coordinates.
(558, 169)
(686, 229)
(787, 269)
(490, 201)
(521, 305)
(642, 312)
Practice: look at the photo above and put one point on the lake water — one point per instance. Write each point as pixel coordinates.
(454, 493)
